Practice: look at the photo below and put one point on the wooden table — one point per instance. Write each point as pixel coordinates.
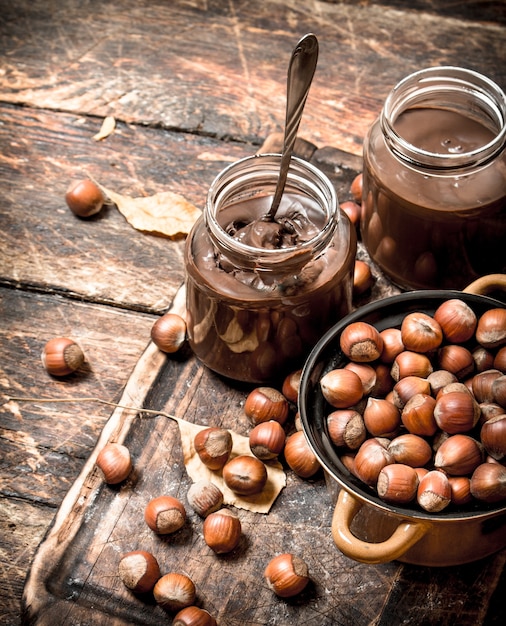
(192, 85)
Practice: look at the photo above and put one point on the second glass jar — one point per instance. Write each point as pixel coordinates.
(260, 292)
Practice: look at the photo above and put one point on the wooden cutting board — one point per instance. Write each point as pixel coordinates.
(73, 579)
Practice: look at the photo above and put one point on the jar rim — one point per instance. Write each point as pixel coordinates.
(267, 165)
(420, 86)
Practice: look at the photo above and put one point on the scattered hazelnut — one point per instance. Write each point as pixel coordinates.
(287, 575)
(84, 198)
(266, 403)
(165, 515)
(267, 440)
(168, 332)
(115, 463)
(222, 531)
(174, 591)
(139, 571)
(213, 445)
(245, 475)
(62, 356)
(204, 497)
(299, 456)
(193, 616)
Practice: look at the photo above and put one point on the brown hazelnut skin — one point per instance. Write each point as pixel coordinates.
(193, 616)
(342, 388)
(381, 418)
(456, 411)
(115, 463)
(493, 436)
(165, 515)
(392, 344)
(488, 482)
(290, 388)
(491, 329)
(174, 591)
(397, 483)
(418, 415)
(213, 445)
(346, 428)
(361, 342)
(459, 455)
(84, 198)
(457, 320)
(266, 403)
(410, 450)
(299, 456)
(420, 332)
(267, 440)
(434, 491)
(204, 497)
(245, 475)
(168, 333)
(371, 458)
(460, 490)
(139, 571)
(356, 188)
(62, 356)
(456, 359)
(222, 531)
(362, 278)
(286, 575)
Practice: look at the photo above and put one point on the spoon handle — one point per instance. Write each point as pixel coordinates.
(301, 70)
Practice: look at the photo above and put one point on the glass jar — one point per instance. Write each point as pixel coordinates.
(260, 293)
(434, 180)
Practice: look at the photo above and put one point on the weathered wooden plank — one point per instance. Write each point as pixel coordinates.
(205, 68)
(43, 245)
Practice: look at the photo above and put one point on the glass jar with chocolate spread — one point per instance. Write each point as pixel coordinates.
(434, 180)
(261, 292)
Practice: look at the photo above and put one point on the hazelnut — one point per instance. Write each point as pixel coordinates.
(213, 445)
(499, 362)
(460, 490)
(115, 463)
(193, 616)
(174, 591)
(457, 320)
(418, 415)
(381, 417)
(299, 456)
(409, 363)
(356, 188)
(139, 571)
(499, 390)
(204, 497)
(439, 379)
(222, 531)
(371, 458)
(420, 332)
(491, 329)
(362, 277)
(488, 482)
(459, 455)
(290, 388)
(266, 403)
(366, 373)
(267, 440)
(397, 483)
(341, 388)
(245, 475)
(392, 344)
(434, 491)
(286, 575)
(84, 198)
(62, 356)
(361, 342)
(456, 359)
(493, 436)
(165, 515)
(346, 428)
(482, 385)
(410, 450)
(352, 210)
(408, 387)
(168, 332)
(456, 411)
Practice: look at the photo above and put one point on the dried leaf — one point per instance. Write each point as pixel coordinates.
(107, 128)
(259, 503)
(166, 213)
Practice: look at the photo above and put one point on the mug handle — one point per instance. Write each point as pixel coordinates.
(403, 537)
(486, 284)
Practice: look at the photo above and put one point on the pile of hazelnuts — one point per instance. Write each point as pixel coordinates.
(418, 413)
(286, 574)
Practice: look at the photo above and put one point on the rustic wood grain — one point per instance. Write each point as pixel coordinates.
(193, 84)
(205, 68)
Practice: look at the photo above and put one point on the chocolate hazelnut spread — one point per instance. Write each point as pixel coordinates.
(261, 293)
(434, 203)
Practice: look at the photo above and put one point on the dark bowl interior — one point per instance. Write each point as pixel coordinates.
(327, 355)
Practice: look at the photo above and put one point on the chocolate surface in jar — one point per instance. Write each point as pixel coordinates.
(261, 293)
(434, 181)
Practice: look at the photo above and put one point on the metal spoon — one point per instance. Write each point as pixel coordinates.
(300, 75)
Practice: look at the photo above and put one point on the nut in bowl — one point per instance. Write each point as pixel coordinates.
(372, 529)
